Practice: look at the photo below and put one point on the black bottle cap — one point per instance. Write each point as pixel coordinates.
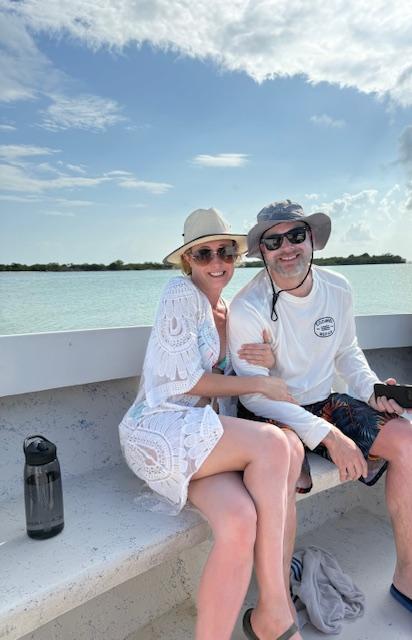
(38, 450)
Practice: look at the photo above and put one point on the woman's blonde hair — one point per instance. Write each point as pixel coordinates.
(185, 266)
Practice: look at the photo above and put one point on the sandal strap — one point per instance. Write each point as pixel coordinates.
(289, 632)
(247, 628)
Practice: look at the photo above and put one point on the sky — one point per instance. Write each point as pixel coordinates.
(117, 119)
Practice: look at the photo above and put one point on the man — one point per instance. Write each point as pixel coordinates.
(308, 314)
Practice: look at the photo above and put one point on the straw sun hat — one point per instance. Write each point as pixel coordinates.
(204, 225)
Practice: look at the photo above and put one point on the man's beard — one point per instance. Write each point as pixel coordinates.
(299, 269)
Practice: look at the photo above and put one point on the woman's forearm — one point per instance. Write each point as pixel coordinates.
(215, 384)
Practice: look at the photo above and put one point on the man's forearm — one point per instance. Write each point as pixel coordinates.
(353, 367)
(311, 429)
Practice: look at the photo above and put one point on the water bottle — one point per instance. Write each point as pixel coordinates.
(42, 488)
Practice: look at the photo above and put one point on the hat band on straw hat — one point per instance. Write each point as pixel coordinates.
(202, 226)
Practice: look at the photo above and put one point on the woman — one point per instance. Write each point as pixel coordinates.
(174, 438)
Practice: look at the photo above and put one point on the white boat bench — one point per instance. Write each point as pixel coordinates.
(107, 540)
(74, 387)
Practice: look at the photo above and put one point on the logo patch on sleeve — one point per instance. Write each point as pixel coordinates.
(324, 327)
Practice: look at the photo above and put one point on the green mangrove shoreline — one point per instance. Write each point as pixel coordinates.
(119, 265)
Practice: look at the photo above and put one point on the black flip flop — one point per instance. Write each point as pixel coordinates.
(401, 598)
(249, 633)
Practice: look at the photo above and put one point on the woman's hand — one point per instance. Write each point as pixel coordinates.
(276, 389)
(259, 353)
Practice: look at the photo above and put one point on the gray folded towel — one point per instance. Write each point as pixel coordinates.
(328, 594)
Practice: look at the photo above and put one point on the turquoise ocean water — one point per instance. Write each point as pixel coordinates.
(36, 302)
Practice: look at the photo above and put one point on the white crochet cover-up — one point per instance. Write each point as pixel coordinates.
(164, 437)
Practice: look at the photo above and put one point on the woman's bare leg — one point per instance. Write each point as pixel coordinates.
(229, 509)
(262, 451)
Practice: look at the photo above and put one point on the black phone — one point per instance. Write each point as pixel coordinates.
(401, 393)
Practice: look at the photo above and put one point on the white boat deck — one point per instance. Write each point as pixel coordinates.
(108, 539)
(363, 545)
(118, 573)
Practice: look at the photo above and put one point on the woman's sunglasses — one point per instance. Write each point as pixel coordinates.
(227, 254)
(295, 236)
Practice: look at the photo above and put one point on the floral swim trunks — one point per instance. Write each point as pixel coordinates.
(355, 419)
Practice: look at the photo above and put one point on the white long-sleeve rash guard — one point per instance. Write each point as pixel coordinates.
(313, 337)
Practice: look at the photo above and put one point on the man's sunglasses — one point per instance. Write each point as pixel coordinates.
(227, 254)
(295, 236)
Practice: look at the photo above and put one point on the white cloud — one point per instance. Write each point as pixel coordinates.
(365, 45)
(64, 202)
(405, 148)
(349, 203)
(73, 203)
(358, 233)
(14, 178)
(326, 121)
(19, 174)
(118, 172)
(221, 160)
(46, 167)
(23, 68)
(312, 196)
(156, 188)
(370, 220)
(10, 198)
(7, 127)
(62, 214)
(75, 168)
(27, 74)
(14, 151)
(81, 112)
(137, 127)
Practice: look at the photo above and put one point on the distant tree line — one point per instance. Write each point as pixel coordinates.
(364, 258)
(119, 265)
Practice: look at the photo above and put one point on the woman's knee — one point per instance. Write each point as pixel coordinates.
(272, 446)
(236, 528)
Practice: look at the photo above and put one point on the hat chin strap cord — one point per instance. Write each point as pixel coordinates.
(273, 315)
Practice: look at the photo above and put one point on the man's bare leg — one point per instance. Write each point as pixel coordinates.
(394, 443)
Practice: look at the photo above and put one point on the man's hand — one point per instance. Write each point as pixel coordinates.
(346, 455)
(386, 405)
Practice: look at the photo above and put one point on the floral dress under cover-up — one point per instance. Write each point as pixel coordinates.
(164, 437)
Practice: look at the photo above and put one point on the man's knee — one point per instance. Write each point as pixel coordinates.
(394, 443)
(296, 451)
